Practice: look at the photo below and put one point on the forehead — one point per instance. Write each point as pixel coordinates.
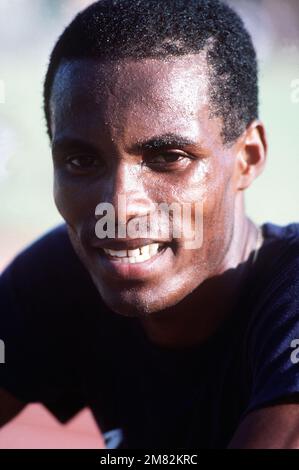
(147, 96)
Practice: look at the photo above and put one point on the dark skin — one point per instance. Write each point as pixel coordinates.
(145, 129)
(122, 113)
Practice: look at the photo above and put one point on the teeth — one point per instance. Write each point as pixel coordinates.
(135, 256)
(153, 248)
(145, 250)
(119, 253)
(134, 252)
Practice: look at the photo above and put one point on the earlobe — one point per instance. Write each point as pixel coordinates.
(252, 154)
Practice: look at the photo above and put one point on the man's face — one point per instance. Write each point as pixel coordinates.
(142, 129)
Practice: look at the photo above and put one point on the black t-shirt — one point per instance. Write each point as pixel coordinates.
(65, 349)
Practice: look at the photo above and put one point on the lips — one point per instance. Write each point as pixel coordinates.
(131, 259)
(118, 244)
(138, 255)
(150, 262)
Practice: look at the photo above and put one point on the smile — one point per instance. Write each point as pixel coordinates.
(138, 255)
(141, 262)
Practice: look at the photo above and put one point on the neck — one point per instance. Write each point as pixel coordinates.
(198, 315)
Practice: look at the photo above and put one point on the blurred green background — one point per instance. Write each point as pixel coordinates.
(28, 30)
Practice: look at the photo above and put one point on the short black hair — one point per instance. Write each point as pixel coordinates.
(116, 29)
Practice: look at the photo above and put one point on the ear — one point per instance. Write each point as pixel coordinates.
(252, 153)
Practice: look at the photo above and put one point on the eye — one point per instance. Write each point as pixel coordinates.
(168, 161)
(168, 158)
(83, 163)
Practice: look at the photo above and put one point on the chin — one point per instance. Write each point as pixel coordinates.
(133, 302)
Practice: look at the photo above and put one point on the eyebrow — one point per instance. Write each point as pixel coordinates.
(64, 144)
(162, 142)
(156, 143)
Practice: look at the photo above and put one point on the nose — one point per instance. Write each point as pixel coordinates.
(126, 192)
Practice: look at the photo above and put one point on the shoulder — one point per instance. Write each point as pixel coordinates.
(40, 312)
(48, 268)
(286, 232)
(282, 242)
(273, 325)
(277, 266)
(275, 277)
(44, 255)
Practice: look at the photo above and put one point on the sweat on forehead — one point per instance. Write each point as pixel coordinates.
(159, 80)
(156, 95)
(153, 29)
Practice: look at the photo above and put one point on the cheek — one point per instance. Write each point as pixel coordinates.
(75, 202)
(219, 201)
(187, 186)
(218, 214)
(214, 190)
(206, 184)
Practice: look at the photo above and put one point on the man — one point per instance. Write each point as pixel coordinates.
(172, 346)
